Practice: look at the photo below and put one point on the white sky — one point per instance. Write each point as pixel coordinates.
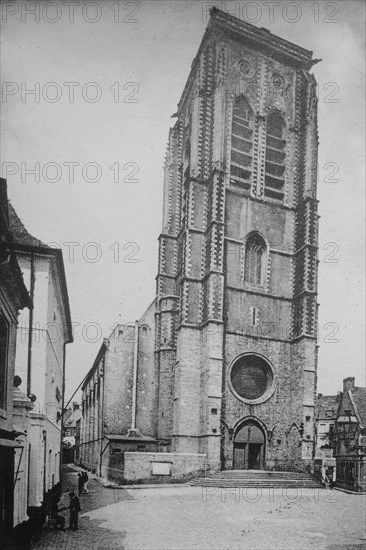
(153, 45)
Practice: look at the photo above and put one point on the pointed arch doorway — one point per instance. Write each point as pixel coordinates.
(249, 447)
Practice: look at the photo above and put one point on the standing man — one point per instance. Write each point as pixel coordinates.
(80, 483)
(74, 510)
(86, 479)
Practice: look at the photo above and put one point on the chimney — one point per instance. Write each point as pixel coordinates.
(349, 383)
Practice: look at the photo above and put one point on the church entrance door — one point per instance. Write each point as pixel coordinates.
(249, 447)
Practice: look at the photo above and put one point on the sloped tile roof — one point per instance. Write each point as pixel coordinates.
(359, 397)
(19, 232)
(324, 403)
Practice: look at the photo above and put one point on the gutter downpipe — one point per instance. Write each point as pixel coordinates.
(134, 384)
(30, 327)
(62, 410)
(102, 422)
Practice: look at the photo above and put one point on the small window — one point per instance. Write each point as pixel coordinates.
(307, 418)
(141, 448)
(254, 316)
(116, 451)
(254, 269)
(214, 411)
(329, 413)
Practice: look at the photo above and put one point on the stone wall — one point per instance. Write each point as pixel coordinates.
(119, 380)
(146, 407)
(139, 466)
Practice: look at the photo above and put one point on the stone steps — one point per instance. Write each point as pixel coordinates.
(261, 474)
(258, 479)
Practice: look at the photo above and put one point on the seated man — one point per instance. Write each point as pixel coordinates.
(57, 520)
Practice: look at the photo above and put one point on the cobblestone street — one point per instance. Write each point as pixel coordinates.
(90, 535)
(186, 517)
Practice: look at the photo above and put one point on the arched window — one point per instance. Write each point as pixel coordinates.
(275, 156)
(241, 144)
(255, 257)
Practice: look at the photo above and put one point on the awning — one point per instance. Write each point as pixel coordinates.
(10, 443)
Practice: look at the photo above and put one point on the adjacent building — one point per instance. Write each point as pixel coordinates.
(70, 418)
(229, 379)
(350, 437)
(14, 405)
(43, 332)
(326, 416)
(111, 411)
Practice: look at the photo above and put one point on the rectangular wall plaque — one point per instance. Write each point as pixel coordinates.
(161, 468)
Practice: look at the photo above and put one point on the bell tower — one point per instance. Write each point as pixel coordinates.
(236, 324)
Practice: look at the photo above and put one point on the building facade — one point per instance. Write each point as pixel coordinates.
(111, 391)
(70, 418)
(233, 327)
(43, 333)
(237, 282)
(350, 437)
(14, 406)
(326, 416)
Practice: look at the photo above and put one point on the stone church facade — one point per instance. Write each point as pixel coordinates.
(234, 322)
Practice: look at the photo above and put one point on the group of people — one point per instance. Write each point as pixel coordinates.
(83, 483)
(57, 520)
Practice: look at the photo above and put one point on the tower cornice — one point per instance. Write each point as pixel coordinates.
(225, 26)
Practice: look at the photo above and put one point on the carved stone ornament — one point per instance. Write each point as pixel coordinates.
(278, 81)
(246, 68)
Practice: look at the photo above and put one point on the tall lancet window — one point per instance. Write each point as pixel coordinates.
(275, 157)
(241, 144)
(255, 260)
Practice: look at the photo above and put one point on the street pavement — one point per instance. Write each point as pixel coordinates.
(185, 518)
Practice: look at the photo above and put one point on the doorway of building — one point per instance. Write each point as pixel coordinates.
(249, 447)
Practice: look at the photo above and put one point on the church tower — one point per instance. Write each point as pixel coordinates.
(236, 321)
